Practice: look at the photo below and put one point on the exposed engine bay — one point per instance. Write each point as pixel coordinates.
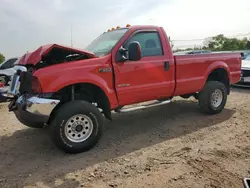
(51, 55)
(59, 55)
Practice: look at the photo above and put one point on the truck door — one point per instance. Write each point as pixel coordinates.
(150, 78)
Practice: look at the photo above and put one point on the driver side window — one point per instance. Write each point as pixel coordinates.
(150, 43)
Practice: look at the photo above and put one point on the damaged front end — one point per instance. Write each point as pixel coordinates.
(30, 108)
(30, 105)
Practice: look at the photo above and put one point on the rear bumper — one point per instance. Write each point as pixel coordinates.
(33, 111)
(245, 78)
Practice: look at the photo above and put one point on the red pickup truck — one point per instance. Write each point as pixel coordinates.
(70, 90)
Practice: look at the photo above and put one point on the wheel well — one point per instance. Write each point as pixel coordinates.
(221, 76)
(84, 91)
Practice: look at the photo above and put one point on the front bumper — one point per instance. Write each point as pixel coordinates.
(30, 109)
(33, 111)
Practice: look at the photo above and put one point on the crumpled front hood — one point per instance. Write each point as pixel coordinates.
(36, 56)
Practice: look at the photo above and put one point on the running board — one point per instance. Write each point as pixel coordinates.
(143, 107)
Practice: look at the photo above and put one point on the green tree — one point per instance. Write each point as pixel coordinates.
(2, 58)
(222, 43)
(216, 43)
(248, 45)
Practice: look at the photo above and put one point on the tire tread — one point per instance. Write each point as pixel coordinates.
(204, 97)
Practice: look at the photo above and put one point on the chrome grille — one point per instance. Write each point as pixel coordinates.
(14, 85)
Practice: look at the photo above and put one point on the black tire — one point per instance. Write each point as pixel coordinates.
(60, 119)
(205, 97)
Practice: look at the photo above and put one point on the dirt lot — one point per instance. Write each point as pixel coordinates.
(169, 146)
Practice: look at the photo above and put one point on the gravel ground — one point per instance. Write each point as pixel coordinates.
(168, 146)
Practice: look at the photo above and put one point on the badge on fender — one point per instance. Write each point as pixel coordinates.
(104, 69)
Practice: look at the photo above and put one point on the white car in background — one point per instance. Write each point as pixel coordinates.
(6, 70)
(245, 73)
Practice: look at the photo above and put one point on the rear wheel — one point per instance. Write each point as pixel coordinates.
(213, 97)
(76, 127)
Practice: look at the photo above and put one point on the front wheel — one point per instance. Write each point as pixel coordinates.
(76, 127)
(213, 97)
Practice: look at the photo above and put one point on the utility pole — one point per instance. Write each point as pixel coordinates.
(71, 41)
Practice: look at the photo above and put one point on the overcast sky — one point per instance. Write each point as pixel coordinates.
(27, 24)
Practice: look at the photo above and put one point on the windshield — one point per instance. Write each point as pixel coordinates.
(104, 43)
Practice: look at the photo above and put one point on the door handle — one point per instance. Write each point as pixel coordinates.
(166, 65)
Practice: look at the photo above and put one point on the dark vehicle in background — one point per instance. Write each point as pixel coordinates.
(192, 52)
(9, 63)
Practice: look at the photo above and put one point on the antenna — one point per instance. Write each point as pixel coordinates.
(71, 41)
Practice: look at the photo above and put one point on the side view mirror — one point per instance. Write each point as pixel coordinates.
(134, 51)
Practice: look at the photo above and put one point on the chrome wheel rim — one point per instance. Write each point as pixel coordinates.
(78, 128)
(217, 97)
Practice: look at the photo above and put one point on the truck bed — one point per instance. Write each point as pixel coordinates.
(192, 70)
